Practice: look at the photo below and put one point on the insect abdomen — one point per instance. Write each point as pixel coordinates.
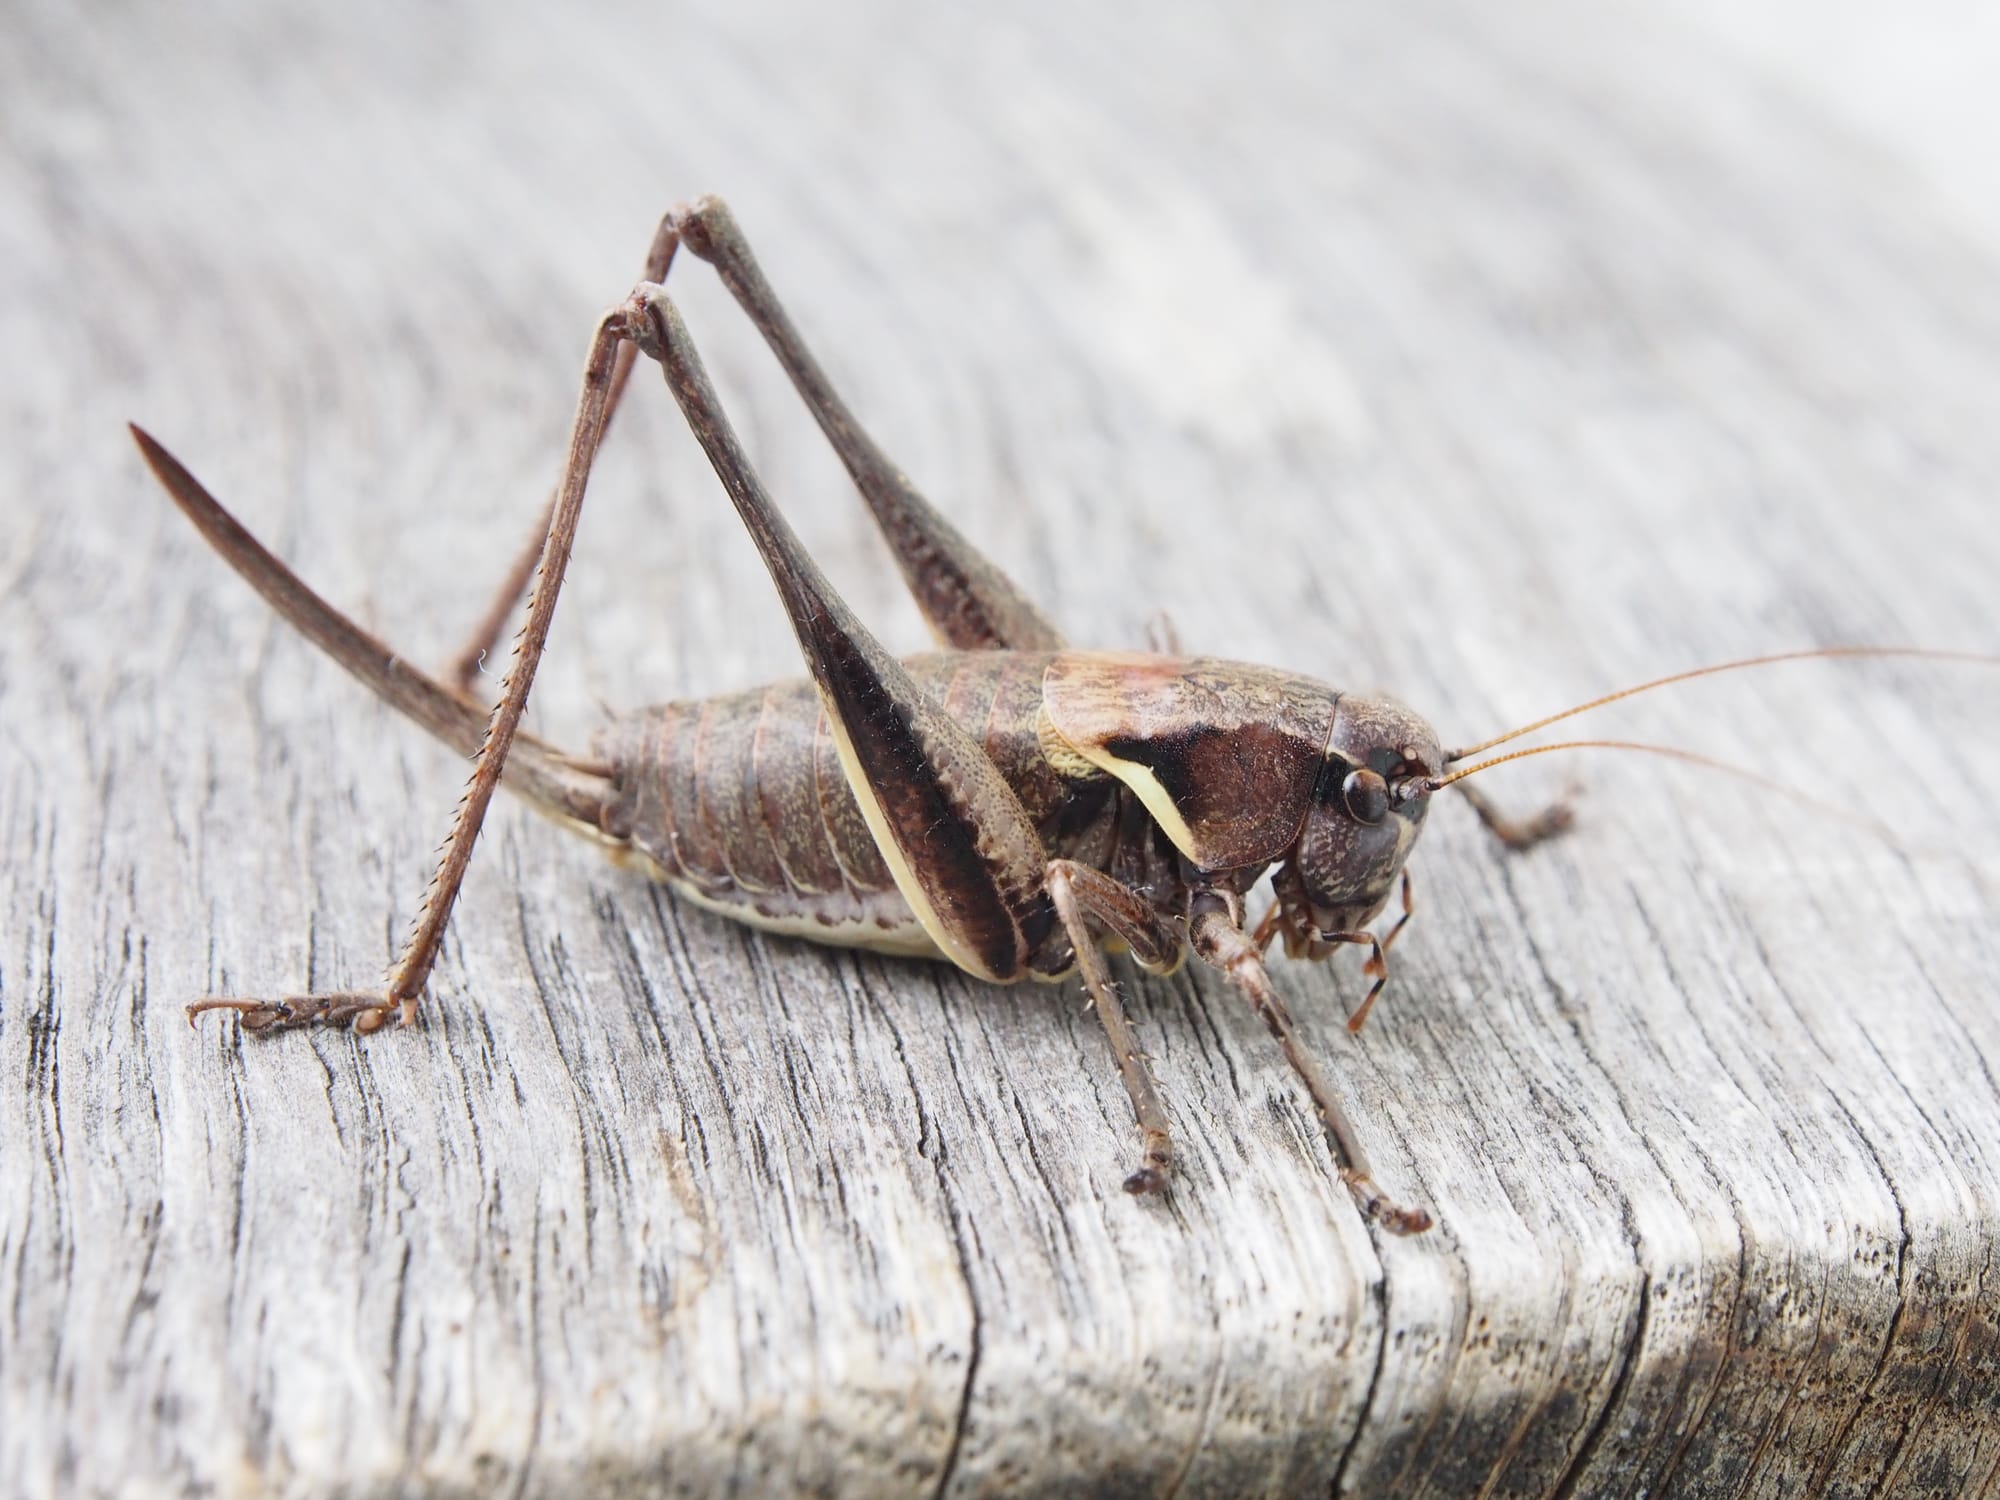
(739, 801)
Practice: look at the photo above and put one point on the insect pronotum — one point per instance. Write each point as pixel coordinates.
(1007, 803)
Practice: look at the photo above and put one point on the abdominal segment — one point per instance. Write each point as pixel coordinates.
(739, 802)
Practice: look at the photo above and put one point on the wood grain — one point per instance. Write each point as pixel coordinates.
(1498, 357)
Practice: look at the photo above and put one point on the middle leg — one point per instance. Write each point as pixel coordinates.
(1076, 888)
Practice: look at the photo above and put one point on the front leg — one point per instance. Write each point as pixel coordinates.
(1079, 888)
(1519, 834)
(1215, 924)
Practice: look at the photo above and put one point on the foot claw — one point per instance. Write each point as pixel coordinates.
(364, 1012)
(1522, 834)
(1404, 1220)
(1519, 834)
(1556, 818)
(1377, 1206)
(1146, 1180)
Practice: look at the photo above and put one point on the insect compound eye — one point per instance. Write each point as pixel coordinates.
(1366, 795)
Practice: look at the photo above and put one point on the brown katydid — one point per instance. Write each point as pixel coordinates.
(1006, 803)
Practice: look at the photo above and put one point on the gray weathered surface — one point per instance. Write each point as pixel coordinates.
(1500, 356)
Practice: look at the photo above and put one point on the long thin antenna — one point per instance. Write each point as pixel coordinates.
(1979, 658)
(1692, 757)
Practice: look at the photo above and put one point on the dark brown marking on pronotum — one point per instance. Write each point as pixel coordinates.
(1224, 754)
(1009, 804)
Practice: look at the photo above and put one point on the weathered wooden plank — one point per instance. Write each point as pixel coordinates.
(1498, 360)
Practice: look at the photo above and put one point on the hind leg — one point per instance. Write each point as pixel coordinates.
(430, 704)
(470, 661)
(963, 851)
(969, 603)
